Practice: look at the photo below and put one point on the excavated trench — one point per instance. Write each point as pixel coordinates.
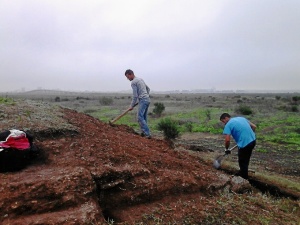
(262, 186)
(111, 187)
(54, 134)
(268, 188)
(273, 190)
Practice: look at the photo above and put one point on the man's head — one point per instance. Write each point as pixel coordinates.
(129, 74)
(225, 117)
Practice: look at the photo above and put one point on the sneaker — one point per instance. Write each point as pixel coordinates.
(149, 136)
(143, 134)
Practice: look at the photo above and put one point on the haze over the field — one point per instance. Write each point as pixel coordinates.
(173, 45)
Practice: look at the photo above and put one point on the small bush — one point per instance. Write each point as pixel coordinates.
(208, 114)
(297, 130)
(244, 110)
(106, 101)
(289, 108)
(189, 126)
(84, 98)
(6, 100)
(169, 128)
(158, 108)
(89, 111)
(294, 108)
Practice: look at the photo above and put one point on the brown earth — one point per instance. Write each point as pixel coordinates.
(89, 172)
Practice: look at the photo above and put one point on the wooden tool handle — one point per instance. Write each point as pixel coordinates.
(118, 117)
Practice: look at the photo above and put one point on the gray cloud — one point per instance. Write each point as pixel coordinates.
(87, 45)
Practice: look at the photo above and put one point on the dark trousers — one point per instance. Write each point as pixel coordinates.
(244, 155)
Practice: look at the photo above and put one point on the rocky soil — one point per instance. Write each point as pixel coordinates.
(89, 172)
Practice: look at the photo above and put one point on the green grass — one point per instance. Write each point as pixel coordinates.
(280, 128)
(6, 101)
(201, 120)
(129, 119)
(276, 127)
(261, 150)
(105, 113)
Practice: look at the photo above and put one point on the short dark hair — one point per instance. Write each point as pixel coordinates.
(129, 72)
(224, 115)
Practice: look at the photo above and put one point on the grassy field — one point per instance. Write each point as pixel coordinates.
(276, 115)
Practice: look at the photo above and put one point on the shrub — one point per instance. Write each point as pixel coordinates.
(158, 108)
(57, 99)
(89, 111)
(208, 114)
(169, 128)
(289, 108)
(296, 98)
(6, 100)
(84, 98)
(294, 108)
(106, 101)
(244, 110)
(189, 126)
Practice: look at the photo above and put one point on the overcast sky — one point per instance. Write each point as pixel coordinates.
(86, 45)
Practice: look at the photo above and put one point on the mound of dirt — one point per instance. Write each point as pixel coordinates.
(88, 172)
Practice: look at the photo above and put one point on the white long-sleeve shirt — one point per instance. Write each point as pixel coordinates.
(140, 90)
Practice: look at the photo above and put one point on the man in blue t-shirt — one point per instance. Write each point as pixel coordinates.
(242, 131)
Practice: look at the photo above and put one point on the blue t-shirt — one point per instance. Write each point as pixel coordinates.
(240, 130)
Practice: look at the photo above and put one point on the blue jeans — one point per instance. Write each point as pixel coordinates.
(142, 115)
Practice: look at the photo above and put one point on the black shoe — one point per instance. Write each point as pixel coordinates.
(143, 134)
(239, 174)
(149, 137)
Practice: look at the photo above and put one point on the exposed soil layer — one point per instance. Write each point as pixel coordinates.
(89, 172)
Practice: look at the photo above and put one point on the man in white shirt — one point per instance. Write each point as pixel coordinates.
(141, 96)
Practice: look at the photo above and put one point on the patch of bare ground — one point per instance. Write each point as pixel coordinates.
(88, 172)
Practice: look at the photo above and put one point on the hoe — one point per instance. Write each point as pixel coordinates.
(218, 160)
(120, 116)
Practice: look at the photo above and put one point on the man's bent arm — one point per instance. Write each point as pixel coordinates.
(227, 141)
(253, 126)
